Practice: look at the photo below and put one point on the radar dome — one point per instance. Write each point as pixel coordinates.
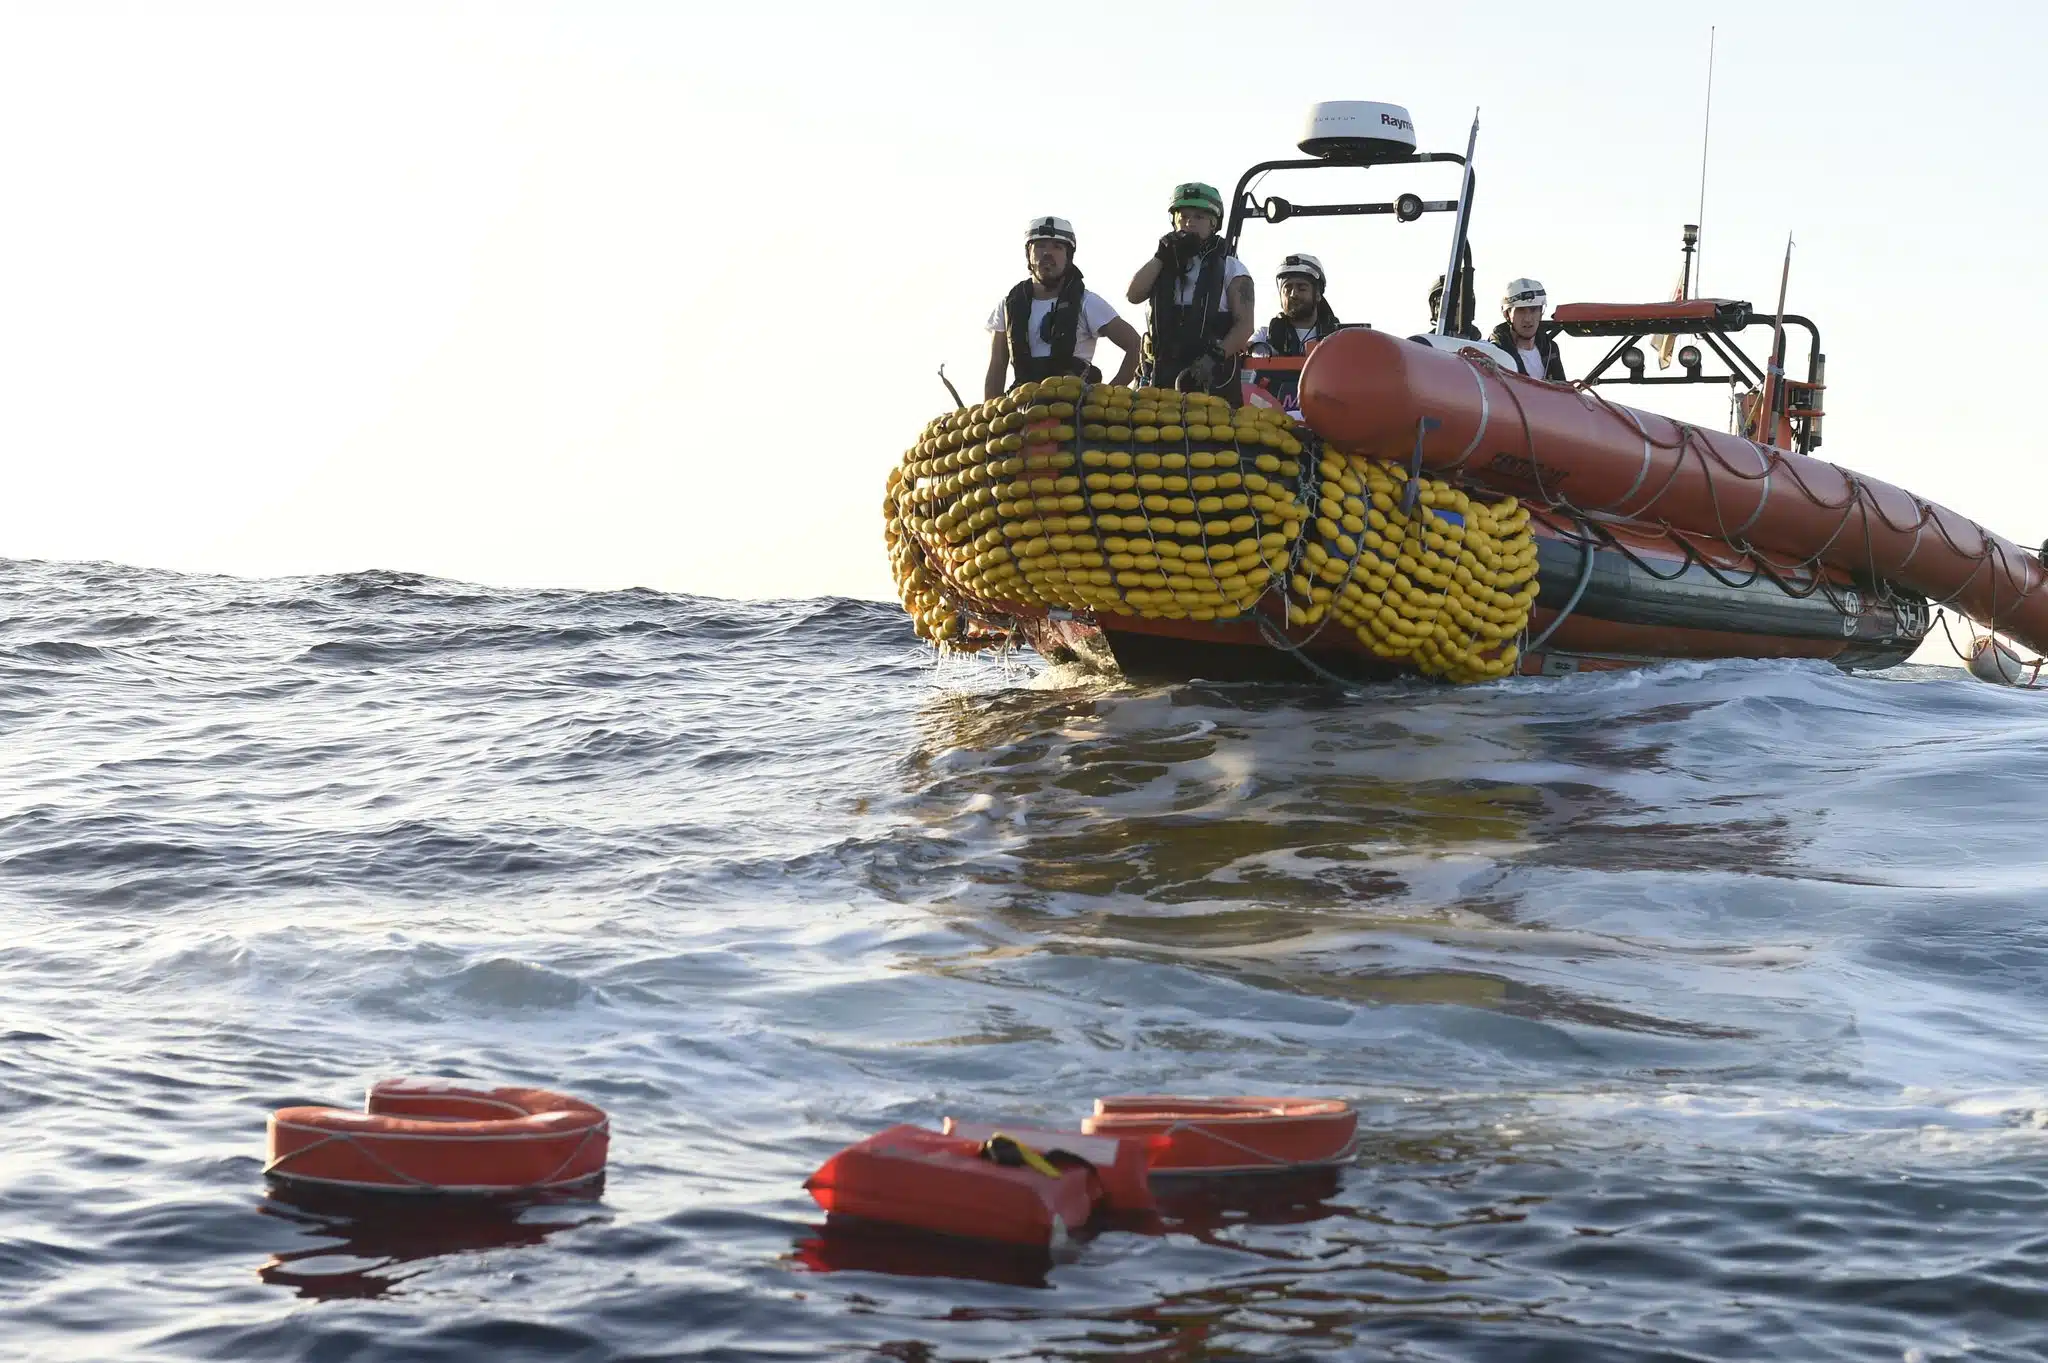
(1357, 130)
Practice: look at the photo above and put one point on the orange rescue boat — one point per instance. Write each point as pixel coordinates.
(1555, 531)
(1568, 450)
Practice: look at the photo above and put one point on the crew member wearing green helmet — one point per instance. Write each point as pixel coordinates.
(1201, 300)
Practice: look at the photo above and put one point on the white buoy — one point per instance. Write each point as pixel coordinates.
(1993, 661)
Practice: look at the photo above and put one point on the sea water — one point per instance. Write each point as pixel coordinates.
(1691, 1013)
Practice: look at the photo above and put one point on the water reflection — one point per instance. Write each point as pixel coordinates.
(1266, 793)
(373, 1238)
(1203, 795)
(847, 1244)
(1214, 1211)
(1324, 847)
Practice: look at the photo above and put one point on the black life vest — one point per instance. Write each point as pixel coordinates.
(1181, 333)
(1060, 327)
(1285, 339)
(1545, 346)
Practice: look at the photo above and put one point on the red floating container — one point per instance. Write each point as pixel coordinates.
(443, 1136)
(926, 1180)
(1231, 1135)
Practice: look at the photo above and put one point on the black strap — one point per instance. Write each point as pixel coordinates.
(1285, 338)
(1061, 329)
(1544, 346)
(1180, 333)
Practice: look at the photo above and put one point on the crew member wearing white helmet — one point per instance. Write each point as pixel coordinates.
(1522, 334)
(1048, 324)
(1305, 316)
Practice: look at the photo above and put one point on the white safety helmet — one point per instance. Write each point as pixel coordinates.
(1523, 293)
(1304, 265)
(1050, 229)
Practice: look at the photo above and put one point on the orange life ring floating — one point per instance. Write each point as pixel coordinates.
(441, 1136)
(1232, 1135)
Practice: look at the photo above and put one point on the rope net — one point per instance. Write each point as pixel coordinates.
(1148, 503)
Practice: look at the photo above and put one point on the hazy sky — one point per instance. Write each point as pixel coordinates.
(607, 294)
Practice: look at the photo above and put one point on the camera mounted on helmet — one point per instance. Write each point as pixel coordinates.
(1302, 266)
(1196, 195)
(1050, 229)
(1523, 293)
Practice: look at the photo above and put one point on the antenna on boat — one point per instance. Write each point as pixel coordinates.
(1693, 251)
(1455, 284)
(1773, 396)
(1778, 331)
(1688, 276)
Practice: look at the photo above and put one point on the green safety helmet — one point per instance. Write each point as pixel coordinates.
(1195, 194)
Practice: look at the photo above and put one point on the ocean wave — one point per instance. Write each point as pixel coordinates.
(1686, 1009)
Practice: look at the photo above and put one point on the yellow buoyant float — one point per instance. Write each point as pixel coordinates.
(1146, 502)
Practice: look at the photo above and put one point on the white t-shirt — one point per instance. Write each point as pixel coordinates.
(1532, 363)
(1096, 313)
(1263, 336)
(1233, 268)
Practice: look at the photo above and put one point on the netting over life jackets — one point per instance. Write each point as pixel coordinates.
(1111, 501)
